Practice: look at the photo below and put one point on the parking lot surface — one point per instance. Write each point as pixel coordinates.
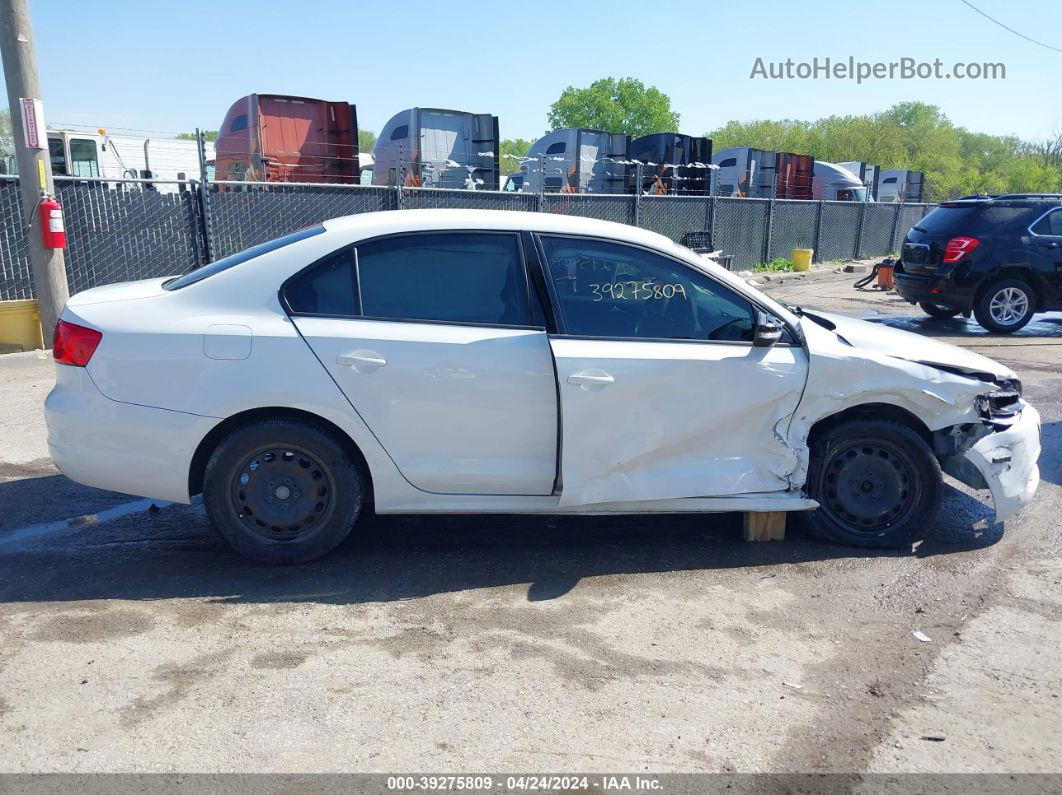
(132, 638)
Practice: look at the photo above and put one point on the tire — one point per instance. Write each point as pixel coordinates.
(991, 309)
(282, 491)
(877, 483)
(939, 312)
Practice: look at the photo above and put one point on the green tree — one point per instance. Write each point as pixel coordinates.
(510, 151)
(5, 124)
(914, 135)
(366, 140)
(620, 106)
(210, 135)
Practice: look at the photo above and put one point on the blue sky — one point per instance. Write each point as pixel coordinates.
(168, 66)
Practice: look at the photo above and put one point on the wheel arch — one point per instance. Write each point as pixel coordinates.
(209, 443)
(873, 411)
(1022, 272)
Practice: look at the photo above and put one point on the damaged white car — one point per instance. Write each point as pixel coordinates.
(465, 361)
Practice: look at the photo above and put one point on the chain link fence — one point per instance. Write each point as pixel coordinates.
(243, 214)
(124, 230)
(120, 230)
(16, 281)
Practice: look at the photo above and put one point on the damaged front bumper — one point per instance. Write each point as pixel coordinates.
(1006, 460)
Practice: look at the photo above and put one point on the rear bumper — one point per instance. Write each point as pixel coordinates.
(1007, 460)
(120, 447)
(934, 290)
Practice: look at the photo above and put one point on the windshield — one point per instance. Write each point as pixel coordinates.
(243, 256)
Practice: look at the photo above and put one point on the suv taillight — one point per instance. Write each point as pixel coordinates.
(73, 344)
(958, 248)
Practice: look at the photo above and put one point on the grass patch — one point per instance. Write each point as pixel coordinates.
(776, 265)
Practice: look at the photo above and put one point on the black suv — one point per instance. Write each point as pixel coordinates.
(999, 257)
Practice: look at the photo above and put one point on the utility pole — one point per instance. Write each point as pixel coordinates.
(34, 166)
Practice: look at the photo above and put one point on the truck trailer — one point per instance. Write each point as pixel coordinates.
(866, 173)
(673, 163)
(578, 160)
(835, 183)
(744, 172)
(76, 153)
(279, 138)
(438, 148)
(900, 185)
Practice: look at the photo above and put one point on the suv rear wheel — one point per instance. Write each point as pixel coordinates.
(1005, 305)
(938, 311)
(877, 484)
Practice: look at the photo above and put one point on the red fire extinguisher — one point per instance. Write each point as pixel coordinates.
(53, 234)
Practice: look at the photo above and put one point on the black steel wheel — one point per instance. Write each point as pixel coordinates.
(282, 491)
(938, 311)
(877, 484)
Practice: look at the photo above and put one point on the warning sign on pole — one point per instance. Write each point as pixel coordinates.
(33, 123)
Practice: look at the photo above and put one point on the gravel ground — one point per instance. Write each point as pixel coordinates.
(141, 643)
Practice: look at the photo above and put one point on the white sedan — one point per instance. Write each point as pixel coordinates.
(458, 361)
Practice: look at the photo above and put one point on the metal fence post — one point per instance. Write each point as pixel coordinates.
(638, 194)
(768, 230)
(713, 207)
(859, 230)
(818, 232)
(893, 242)
(204, 200)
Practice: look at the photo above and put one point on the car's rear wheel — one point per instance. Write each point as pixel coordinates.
(938, 311)
(282, 491)
(1005, 306)
(876, 482)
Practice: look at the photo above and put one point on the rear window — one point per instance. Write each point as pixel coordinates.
(967, 219)
(233, 260)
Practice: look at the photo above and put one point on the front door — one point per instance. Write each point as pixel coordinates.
(662, 393)
(429, 337)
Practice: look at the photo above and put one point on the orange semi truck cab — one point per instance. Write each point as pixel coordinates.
(277, 138)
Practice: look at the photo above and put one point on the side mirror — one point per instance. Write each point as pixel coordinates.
(768, 330)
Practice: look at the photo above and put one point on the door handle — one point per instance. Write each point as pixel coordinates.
(591, 380)
(362, 361)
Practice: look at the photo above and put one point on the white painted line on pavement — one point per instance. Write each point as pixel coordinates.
(32, 532)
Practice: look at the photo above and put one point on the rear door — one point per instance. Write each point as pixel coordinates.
(1046, 238)
(662, 393)
(430, 337)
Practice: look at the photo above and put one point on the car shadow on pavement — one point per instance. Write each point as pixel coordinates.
(174, 553)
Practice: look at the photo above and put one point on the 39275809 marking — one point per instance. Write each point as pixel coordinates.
(436, 783)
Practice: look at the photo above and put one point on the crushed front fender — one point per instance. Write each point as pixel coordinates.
(1007, 461)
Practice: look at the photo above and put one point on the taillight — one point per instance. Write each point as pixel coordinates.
(73, 344)
(958, 248)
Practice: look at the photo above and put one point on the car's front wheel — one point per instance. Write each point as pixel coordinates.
(938, 311)
(1005, 306)
(282, 491)
(877, 484)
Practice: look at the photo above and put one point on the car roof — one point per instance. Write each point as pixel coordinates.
(365, 225)
(1005, 199)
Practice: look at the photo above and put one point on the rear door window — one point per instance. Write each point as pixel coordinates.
(457, 277)
(1050, 224)
(967, 219)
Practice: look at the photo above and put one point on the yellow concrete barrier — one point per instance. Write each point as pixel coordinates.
(20, 325)
(802, 259)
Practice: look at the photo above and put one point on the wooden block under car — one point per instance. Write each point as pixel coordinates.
(764, 525)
